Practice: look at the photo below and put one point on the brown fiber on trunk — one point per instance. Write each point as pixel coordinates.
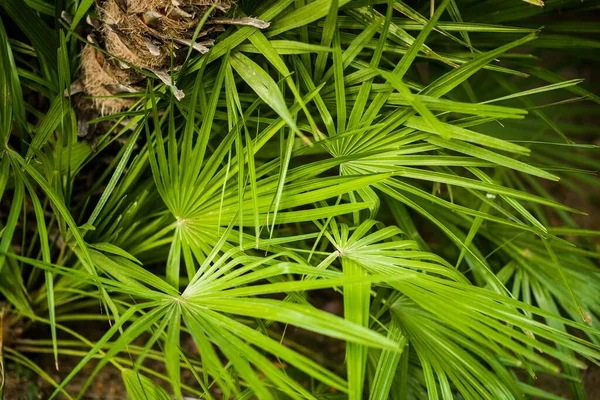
(149, 35)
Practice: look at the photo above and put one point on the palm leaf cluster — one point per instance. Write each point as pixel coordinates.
(401, 156)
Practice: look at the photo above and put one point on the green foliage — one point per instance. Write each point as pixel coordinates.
(402, 157)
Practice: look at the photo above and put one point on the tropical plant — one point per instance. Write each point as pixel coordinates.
(207, 189)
